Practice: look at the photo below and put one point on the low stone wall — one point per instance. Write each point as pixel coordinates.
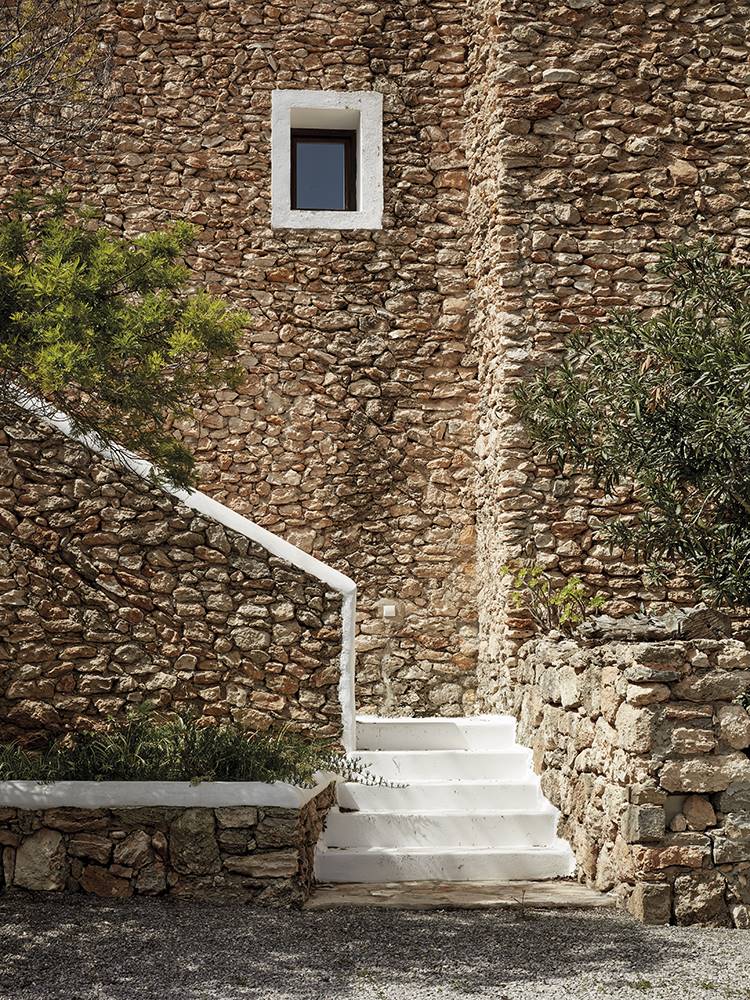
(262, 855)
(643, 746)
(112, 592)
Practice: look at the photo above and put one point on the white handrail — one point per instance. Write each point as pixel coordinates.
(216, 511)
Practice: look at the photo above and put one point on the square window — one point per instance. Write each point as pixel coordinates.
(324, 170)
(326, 159)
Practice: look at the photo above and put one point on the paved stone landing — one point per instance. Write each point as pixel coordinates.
(458, 895)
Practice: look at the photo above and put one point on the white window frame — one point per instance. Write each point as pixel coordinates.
(361, 110)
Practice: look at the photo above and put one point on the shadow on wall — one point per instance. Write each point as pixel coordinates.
(77, 947)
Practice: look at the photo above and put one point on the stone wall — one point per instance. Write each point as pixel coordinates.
(536, 155)
(643, 746)
(596, 131)
(243, 854)
(353, 434)
(112, 592)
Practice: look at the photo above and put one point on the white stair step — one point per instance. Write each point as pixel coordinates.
(481, 732)
(420, 765)
(457, 864)
(441, 795)
(519, 828)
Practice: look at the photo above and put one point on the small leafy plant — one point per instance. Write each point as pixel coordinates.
(144, 747)
(551, 605)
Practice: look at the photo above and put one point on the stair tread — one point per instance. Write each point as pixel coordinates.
(544, 809)
(457, 752)
(470, 720)
(530, 780)
(447, 849)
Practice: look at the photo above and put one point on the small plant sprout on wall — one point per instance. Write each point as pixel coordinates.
(662, 405)
(552, 605)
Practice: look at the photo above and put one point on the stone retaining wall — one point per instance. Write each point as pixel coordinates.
(261, 855)
(643, 747)
(112, 592)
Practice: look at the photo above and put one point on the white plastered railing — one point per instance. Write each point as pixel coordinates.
(216, 511)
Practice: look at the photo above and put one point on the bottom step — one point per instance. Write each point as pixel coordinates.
(414, 864)
(550, 895)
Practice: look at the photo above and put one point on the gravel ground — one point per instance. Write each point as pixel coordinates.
(80, 949)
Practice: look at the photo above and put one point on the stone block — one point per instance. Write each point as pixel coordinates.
(278, 828)
(732, 841)
(635, 728)
(698, 812)
(734, 726)
(151, 880)
(704, 774)
(699, 898)
(41, 862)
(736, 798)
(643, 824)
(271, 864)
(651, 902)
(691, 740)
(71, 820)
(237, 816)
(677, 850)
(100, 882)
(135, 851)
(90, 845)
(193, 848)
(716, 685)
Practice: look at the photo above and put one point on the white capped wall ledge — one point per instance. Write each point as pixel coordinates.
(132, 794)
(216, 511)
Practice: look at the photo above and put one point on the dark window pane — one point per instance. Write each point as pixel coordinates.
(321, 175)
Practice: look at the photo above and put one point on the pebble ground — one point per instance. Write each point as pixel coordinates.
(81, 949)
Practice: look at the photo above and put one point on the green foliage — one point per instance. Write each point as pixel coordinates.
(146, 748)
(551, 604)
(662, 405)
(104, 327)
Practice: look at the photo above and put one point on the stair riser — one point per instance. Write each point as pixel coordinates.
(418, 797)
(382, 830)
(447, 765)
(339, 867)
(446, 735)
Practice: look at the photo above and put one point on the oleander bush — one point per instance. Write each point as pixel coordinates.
(658, 407)
(145, 747)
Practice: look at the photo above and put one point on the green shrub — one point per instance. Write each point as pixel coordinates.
(660, 404)
(107, 328)
(551, 605)
(146, 748)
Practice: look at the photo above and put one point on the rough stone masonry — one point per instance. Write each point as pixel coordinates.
(536, 155)
(112, 592)
(258, 855)
(644, 748)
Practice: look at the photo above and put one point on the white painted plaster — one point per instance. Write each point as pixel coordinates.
(243, 526)
(132, 794)
(361, 110)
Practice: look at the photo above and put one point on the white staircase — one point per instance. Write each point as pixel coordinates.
(468, 808)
